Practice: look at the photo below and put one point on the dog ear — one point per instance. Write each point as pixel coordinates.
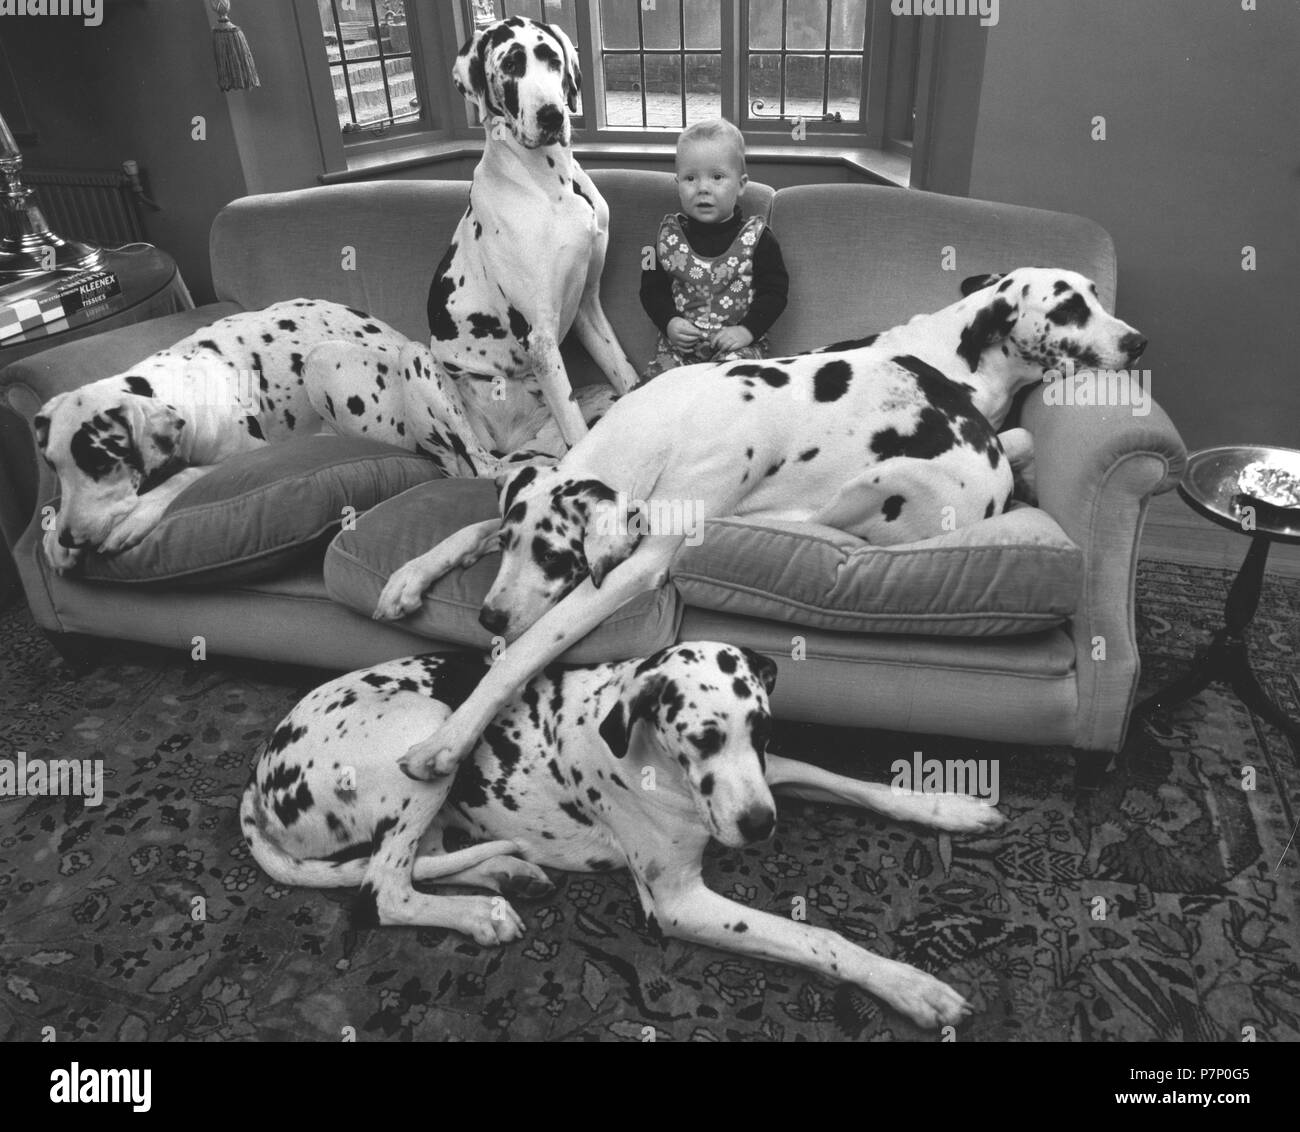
(978, 282)
(155, 429)
(992, 323)
(616, 727)
(764, 667)
(572, 68)
(510, 484)
(470, 75)
(611, 531)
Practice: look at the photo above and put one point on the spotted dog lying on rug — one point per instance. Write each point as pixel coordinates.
(634, 764)
(125, 446)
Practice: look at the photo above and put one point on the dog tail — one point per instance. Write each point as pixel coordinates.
(347, 868)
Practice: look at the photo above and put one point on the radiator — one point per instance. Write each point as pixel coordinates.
(99, 207)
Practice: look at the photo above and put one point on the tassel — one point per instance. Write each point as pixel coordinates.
(235, 67)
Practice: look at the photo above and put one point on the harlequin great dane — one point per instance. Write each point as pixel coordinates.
(125, 446)
(524, 267)
(630, 765)
(881, 445)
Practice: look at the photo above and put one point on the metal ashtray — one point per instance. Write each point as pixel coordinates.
(1272, 485)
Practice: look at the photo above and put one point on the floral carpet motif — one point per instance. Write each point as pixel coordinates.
(1160, 907)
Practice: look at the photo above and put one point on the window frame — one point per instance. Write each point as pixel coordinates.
(438, 30)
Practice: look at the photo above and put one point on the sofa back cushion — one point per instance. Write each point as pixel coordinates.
(863, 258)
(284, 245)
(278, 246)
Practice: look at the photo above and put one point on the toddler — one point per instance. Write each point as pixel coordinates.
(719, 281)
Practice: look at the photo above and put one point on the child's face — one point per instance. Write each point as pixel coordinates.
(709, 180)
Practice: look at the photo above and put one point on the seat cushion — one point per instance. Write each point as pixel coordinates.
(1014, 573)
(260, 513)
(359, 562)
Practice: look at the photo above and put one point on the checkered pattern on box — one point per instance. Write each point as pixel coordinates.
(29, 314)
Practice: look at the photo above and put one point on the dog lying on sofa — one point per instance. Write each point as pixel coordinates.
(126, 446)
(631, 765)
(885, 446)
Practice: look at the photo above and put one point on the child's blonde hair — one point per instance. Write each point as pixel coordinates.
(715, 129)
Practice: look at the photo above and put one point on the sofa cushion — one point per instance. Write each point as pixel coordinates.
(259, 513)
(359, 562)
(1014, 573)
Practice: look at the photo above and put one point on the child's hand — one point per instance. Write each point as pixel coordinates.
(683, 333)
(731, 338)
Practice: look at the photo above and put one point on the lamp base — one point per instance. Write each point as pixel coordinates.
(29, 247)
(36, 254)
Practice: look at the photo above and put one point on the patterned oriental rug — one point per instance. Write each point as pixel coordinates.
(1201, 934)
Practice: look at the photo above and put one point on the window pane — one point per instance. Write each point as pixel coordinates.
(848, 25)
(803, 84)
(663, 91)
(703, 24)
(618, 26)
(401, 89)
(561, 12)
(846, 86)
(356, 28)
(765, 83)
(530, 8)
(622, 90)
(661, 25)
(703, 87)
(764, 23)
(805, 24)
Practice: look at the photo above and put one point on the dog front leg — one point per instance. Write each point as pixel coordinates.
(953, 813)
(700, 915)
(558, 628)
(597, 335)
(149, 511)
(405, 588)
(544, 353)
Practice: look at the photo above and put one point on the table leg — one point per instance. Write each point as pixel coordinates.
(1226, 659)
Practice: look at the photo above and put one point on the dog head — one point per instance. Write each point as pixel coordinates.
(108, 446)
(524, 73)
(1037, 318)
(704, 707)
(555, 531)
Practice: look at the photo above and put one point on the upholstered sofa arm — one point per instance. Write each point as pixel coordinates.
(1096, 468)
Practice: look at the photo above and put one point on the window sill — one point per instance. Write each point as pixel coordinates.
(876, 165)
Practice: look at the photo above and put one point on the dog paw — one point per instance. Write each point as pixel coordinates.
(62, 560)
(522, 880)
(489, 920)
(927, 1001)
(952, 813)
(131, 531)
(432, 759)
(402, 593)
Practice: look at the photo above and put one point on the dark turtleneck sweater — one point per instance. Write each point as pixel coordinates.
(771, 283)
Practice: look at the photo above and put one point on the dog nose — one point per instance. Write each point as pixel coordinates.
(1133, 344)
(551, 118)
(493, 620)
(756, 823)
(68, 540)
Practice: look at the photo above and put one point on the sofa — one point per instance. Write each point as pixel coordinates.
(1019, 629)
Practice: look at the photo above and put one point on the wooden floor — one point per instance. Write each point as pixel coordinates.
(1176, 533)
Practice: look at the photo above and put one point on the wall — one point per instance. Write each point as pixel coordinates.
(129, 88)
(1201, 158)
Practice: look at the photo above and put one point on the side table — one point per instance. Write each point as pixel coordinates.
(151, 287)
(1210, 487)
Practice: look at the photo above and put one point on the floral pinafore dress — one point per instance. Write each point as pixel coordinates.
(711, 292)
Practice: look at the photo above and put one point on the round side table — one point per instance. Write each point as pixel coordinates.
(1210, 487)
